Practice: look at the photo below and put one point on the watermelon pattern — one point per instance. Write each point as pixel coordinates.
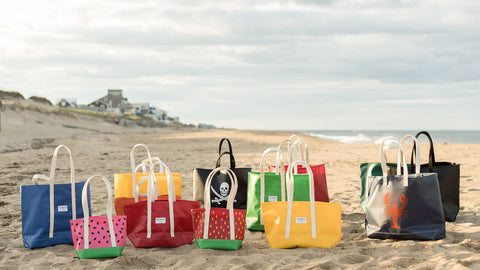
(99, 233)
(219, 227)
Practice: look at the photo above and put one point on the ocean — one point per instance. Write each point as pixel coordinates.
(375, 136)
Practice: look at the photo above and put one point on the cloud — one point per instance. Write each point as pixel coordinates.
(250, 64)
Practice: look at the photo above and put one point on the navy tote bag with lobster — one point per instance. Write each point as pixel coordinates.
(406, 206)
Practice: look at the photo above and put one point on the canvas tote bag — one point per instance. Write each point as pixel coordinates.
(220, 183)
(270, 186)
(448, 179)
(47, 209)
(219, 228)
(124, 183)
(406, 206)
(160, 223)
(319, 175)
(301, 224)
(98, 236)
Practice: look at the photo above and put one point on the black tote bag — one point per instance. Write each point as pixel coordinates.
(220, 185)
(448, 179)
(404, 207)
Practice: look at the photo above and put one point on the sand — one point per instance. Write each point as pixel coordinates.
(28, 138)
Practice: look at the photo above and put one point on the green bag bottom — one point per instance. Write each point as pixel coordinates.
(93, 253)
(218, 244)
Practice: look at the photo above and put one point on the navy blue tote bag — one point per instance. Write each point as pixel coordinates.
(404, 206)
(48, 209)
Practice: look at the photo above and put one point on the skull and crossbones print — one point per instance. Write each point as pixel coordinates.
(223, 195)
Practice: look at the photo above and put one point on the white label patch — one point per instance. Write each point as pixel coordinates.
(301, 220)
(63, 208)
(160, 220)
(272, 198)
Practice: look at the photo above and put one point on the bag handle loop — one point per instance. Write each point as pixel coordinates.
(51, 181)
(109, 210)
(140, 183)
(231, 198)
(132, 162)
(154, 159)
(220, 146)
(417, 152)
(290, 192)
(232, 160)
(293, 151)
(401, 156)
(303, 147)
(152, 195)
(289, 152)
(431, 153)
(262, 175)
(385, 148)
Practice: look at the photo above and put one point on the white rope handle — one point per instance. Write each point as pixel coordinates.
(86, 212)
(132, 163)
(262, 175)
(140, 183)
(385, 148)
(303, 147)
(231, 198)
(153, 160)
(51, 181)
(290, 191)
(289, 153)
(153, 193)
(293, 153)
(384, 160)
(389, 145)
(417, 152)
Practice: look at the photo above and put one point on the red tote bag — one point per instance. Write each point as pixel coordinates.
(160, 223)
(319, 175)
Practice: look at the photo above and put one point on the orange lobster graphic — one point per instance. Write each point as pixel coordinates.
(397, 211)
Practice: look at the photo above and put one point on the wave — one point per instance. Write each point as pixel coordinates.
(376, 136)
(357, 138)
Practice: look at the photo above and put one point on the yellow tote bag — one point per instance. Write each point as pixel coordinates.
(301, 224)
(124, 182)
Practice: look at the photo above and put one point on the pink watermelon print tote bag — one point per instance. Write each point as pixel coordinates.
(98, 236)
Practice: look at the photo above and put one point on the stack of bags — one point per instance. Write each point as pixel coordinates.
(409, 201)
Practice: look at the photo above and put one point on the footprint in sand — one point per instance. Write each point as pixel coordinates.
(325, 265)
(354, 259)
(470, 262)
(310, 256)
(468, 243)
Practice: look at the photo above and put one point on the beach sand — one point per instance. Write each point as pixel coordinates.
(28, 139)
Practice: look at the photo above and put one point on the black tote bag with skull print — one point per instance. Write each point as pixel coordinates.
(220, 186)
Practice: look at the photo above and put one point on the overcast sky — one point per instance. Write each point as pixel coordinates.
(352, 64)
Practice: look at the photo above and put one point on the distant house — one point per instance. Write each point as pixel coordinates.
(141, 108)
(67, 103)
(113, 102)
